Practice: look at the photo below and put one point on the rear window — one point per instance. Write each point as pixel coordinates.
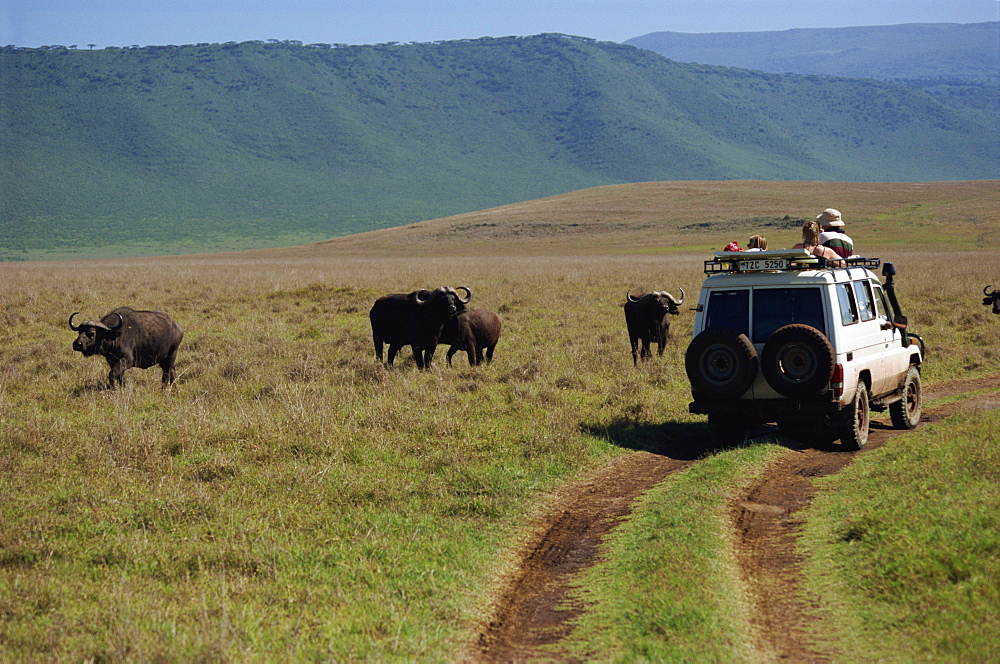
(772, 308)
(777, 307)
(729, 309)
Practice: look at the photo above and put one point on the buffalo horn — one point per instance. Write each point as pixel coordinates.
(468, 294)
(121, 321)
(422, 296)
(674, 299)
(75, 328)
(630, 297)
(986, 290)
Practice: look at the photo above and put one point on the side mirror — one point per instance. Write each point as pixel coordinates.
(888, 270)
(900, 322)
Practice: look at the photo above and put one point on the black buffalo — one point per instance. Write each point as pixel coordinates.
(128, 338)
(475, 331)
(414, 319)
(992, 298)
(647, 317)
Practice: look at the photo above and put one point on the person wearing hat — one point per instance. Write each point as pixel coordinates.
(833, 234)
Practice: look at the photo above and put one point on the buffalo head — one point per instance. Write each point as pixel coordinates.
(992, 298)
(444, 299)
(659, 299)
(92, 333)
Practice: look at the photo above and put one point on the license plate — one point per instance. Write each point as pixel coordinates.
(764, 264)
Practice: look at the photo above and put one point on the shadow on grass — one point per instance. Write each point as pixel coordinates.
(686, 441)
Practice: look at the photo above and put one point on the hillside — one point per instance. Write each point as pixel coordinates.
(182, 149)
(650, 218)
(917, 51)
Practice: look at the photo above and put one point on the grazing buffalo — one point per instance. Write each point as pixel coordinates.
(648, 319)
(128, 338)
(992, 298)
(416, 320)
(476, 331)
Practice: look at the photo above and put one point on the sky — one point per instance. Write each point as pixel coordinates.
(103, 23)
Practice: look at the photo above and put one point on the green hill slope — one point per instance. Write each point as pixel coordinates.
(216, 147)
(952, 51)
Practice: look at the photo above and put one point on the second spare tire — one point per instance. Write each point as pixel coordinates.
(798, 361)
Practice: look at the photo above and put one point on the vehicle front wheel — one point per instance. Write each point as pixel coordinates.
(905, 414)
(854, 432)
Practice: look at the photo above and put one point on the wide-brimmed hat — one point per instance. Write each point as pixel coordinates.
(830, 217)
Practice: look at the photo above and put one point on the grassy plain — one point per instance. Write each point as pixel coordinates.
(291, 499)
(906, 546)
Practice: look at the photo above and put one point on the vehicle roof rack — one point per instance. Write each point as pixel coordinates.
(781, 260)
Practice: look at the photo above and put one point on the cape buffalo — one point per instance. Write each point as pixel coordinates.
(474, 331)
(648, 319)
(416, 320)
(992, 298)
(128, 338)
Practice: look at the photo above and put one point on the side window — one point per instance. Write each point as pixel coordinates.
(729, 309)
(881, 305)
(866, 306)
(777, 307)
(848, 308)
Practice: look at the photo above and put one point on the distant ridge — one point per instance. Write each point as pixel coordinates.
(216, 147)
(916, 51)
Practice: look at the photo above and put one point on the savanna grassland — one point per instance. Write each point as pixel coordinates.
(290, 499)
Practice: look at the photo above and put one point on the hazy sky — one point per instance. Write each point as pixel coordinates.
(148, 22)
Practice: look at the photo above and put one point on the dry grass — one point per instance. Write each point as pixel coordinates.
(659, 217)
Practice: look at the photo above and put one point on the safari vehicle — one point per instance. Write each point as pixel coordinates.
(780, 336)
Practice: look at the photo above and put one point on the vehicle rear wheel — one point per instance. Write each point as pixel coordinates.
(854, 432)
(905, 414)
(798, 361)
(721, 363)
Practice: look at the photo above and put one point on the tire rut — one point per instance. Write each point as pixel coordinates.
(766, 524)
(533, 611)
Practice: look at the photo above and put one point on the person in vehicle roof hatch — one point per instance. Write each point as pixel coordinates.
(833, 235)
(757, 243)
(811, 244)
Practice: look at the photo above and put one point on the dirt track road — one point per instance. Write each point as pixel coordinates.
(531, 605)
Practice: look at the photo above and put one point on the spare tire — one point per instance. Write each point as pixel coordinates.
(721, 363)
(798, 361)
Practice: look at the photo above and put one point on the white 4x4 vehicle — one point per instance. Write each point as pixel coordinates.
(780, 337)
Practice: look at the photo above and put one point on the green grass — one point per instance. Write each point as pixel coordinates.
(668, 589)
(290, 499)
(905, 546)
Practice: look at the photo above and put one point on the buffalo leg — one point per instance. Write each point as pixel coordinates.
(115, 375)
(169, 375)
(393, 349)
